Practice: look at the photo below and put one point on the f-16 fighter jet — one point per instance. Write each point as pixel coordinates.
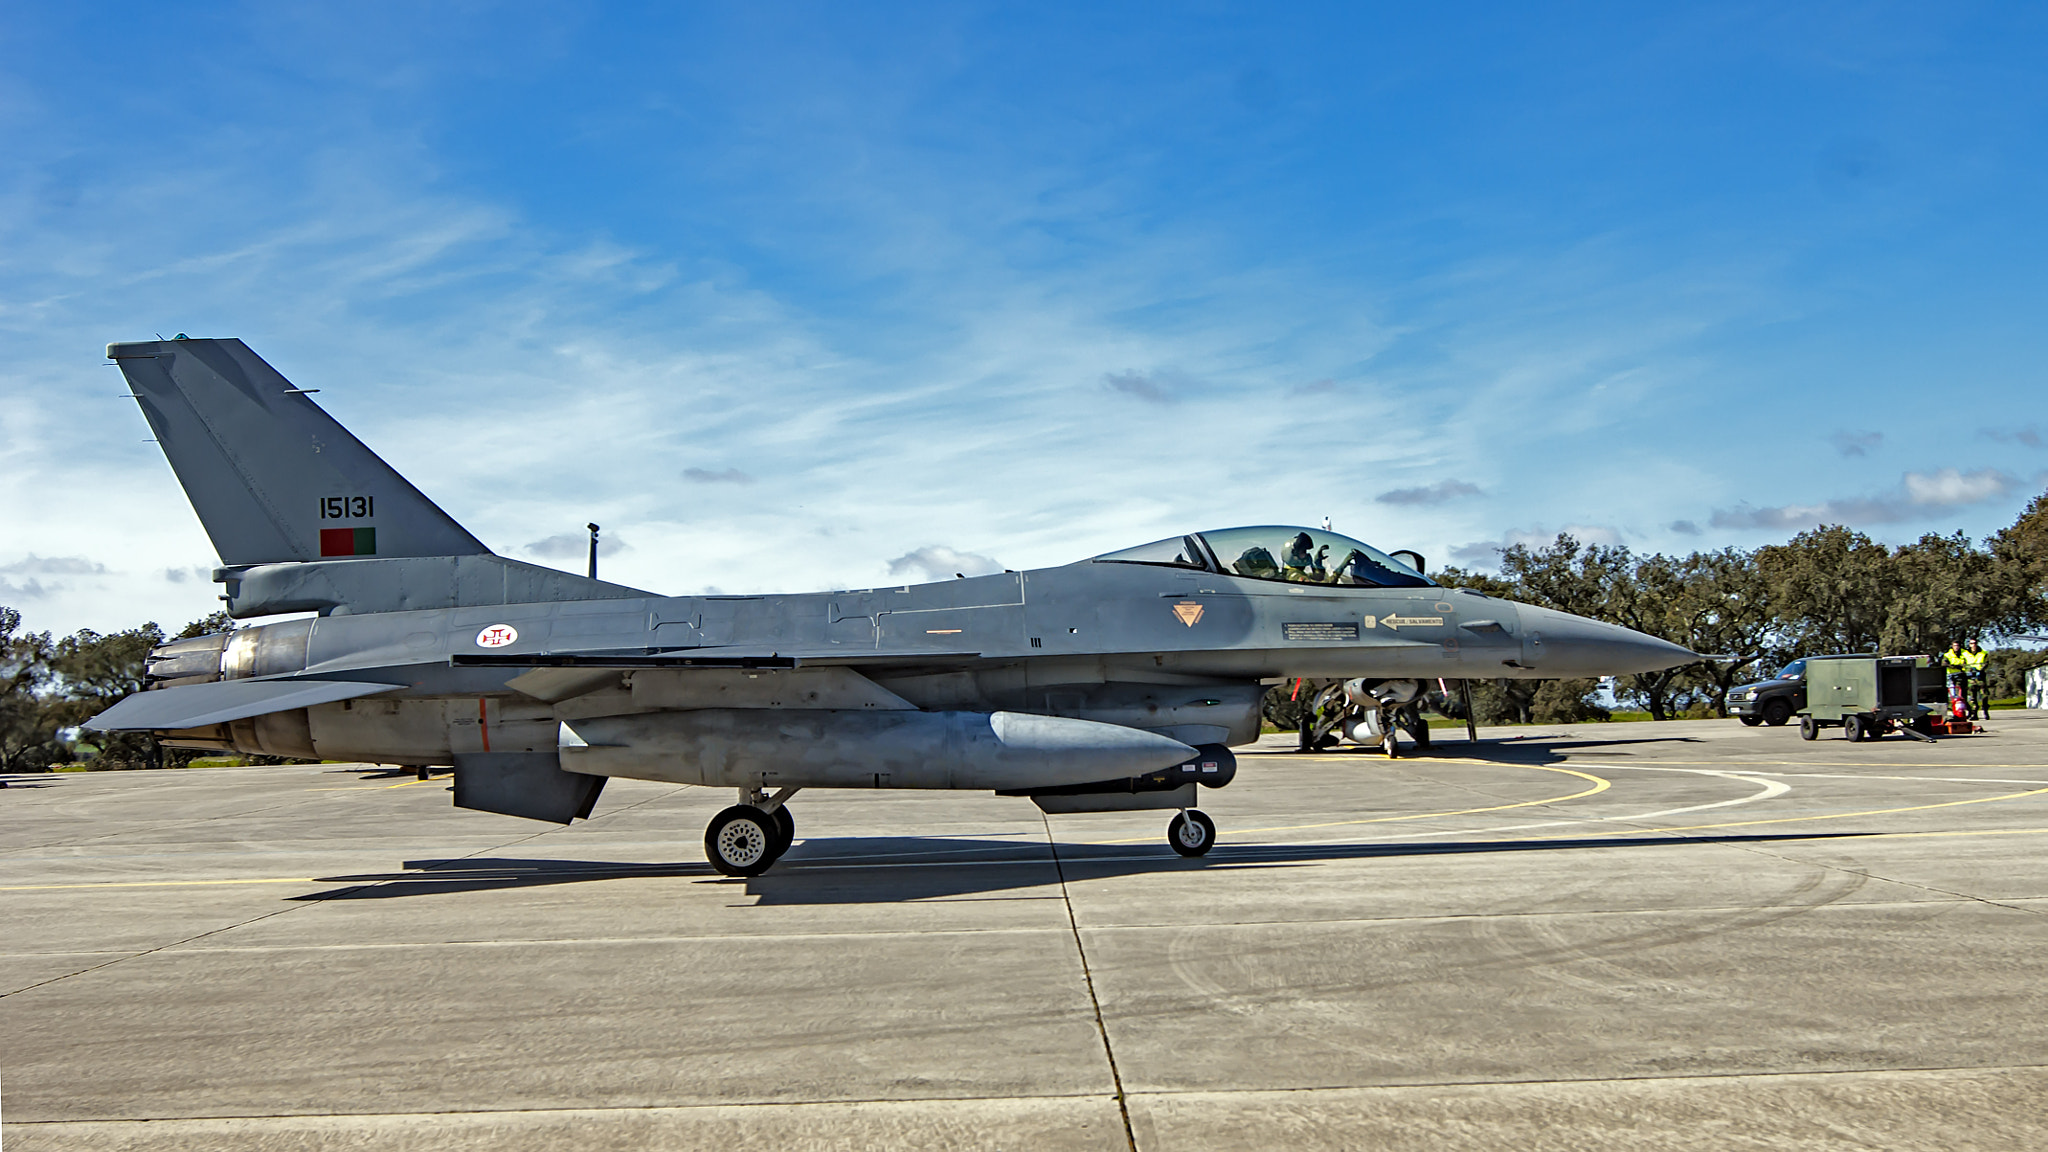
(1116, 683)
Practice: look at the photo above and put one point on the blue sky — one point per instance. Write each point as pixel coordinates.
(795, 296)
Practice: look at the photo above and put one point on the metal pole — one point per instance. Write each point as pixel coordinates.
(1471, 720)
(593, 551)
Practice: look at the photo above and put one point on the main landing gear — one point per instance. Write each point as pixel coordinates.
(1191, 833)
(745, 839)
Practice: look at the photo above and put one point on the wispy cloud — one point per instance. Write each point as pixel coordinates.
(30, 589)
(1917, 495)
(937, 562)
(34, 565)
(1155, 387)
(2029, 435)
(571, 544)
(1856, 443)
(1441, 492)
(707, 476)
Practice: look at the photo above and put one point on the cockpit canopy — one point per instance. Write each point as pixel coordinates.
(1277, 552)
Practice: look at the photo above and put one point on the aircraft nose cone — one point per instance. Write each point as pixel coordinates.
(1561, 644)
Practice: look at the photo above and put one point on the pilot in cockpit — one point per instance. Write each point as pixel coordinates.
(1303, 565)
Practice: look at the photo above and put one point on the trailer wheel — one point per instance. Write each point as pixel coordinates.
(1852, 727)
(1809, 729)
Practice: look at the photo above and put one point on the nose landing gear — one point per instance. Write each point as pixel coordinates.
(1192, 833)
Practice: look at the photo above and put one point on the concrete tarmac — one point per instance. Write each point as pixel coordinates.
(1626, 936)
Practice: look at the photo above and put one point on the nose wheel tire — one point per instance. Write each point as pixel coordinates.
(1191, 833)
(785, 830)
(741, 841)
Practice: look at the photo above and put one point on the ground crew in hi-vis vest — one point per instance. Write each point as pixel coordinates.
(1974, 660)
(1955, 664)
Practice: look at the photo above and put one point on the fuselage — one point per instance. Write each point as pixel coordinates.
(1148, 646)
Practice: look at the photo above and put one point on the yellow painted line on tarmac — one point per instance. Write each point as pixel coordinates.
(1744, 765)
(1367, 757)
(158, 883)
(1985, 832)
(1824, 816)
(1599, 785)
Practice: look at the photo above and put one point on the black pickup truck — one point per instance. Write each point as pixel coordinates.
(1772, 701)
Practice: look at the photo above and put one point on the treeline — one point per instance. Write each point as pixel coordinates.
(49, 685)
(1826, 591)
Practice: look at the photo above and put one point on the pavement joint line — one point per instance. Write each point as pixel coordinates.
(152, 828)
(156, 883)
(1116, 1079)
(630, 941)
(1104, 929)
(919, 1101)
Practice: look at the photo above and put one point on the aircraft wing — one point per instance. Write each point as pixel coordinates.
(555, 678)
(719, 658)
(197, 705)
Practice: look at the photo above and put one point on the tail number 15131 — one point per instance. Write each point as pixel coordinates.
(348, 507)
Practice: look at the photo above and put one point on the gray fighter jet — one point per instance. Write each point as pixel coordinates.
(1116, 683)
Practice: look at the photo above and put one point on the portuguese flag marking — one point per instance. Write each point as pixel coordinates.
(348, 541)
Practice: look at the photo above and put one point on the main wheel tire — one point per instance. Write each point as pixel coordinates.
(1308, 732)
(1391, 745)
(1750, 721)
(740, 841)
(1852, 727)
(785, 830)
(1192, 833)
(1808, 729)
(1776, 712)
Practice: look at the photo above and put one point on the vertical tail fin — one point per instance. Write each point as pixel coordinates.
(272, 477)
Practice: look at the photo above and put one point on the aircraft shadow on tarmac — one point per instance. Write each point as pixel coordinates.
(1536, 751)
(883, 870)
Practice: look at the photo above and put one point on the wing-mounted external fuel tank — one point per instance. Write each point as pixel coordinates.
(840, 748)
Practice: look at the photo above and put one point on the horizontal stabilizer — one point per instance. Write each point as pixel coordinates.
(197, 705)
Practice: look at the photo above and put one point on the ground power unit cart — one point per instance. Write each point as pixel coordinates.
(1870, 696)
